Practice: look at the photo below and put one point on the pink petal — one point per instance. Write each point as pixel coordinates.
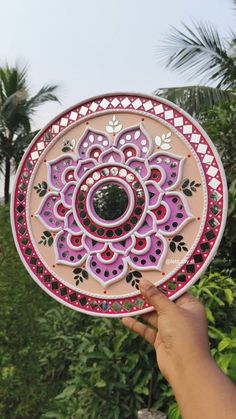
(60, 210)
(71, 225)
(123, 246)
(161, 212)
(57, 168)
(179, 213)
(92, 245)
(171, 165)
(142, 245)
(106, 271)
(155, 194)
(47, 214)
(74, 241)
(83, 166)
(147, 227)
(67, 194)
(90, 139)
(112, 155)
(64, 254)
(136, 137)
(140, 166)
(152, 258)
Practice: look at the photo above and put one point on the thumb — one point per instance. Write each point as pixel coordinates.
(155, 297)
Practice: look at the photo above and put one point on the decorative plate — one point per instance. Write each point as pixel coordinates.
(118, 187)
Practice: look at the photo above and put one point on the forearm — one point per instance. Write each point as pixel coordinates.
(203, 391)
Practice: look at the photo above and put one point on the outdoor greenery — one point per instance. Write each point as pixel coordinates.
(58, 363)
(16, 110)
(198, 51)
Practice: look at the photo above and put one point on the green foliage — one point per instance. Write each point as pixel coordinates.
(194, 99)
(16, 110)
(200, 51)
(220, 124)
(57, 363)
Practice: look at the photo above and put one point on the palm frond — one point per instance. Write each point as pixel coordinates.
(45, 94)
(195, 99)
(199, 51)
(12, 79)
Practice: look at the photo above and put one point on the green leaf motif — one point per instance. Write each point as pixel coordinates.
(185, 183)
(46, 238)
(133, 279)
(189, 187)
(80, 275)
(187, 192)
(41, 188)
(177, 238)
(172, 246)
(177, 243)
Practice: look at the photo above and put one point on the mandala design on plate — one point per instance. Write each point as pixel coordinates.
(145, 185)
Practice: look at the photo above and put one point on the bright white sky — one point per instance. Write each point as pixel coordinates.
(96, 46)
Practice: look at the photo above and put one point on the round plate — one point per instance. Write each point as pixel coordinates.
(118, 187)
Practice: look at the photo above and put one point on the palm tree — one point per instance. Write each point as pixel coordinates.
(16, 110)
(200, 52)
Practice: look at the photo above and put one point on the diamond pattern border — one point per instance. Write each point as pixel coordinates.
(210, 236)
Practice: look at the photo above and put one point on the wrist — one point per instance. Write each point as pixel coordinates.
(186, 369)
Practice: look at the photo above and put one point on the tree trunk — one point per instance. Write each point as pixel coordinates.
(7, 180)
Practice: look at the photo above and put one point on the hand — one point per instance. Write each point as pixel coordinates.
(178, 330)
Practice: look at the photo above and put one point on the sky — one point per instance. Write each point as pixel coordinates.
(92, 47)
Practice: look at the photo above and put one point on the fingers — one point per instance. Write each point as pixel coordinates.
(151, 318)
(155, 297)
(186, 298)
(143, 330)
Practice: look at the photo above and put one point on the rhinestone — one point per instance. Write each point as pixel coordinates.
(96, 175)
(130, 177)
(90, 181)
(136, 185)
(123, 173)
(105, 172)
(84, 188)
(114, 171)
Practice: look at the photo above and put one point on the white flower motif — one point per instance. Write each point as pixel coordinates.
(113, 126)
(164, 141)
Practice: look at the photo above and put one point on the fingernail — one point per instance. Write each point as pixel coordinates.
(144, 283)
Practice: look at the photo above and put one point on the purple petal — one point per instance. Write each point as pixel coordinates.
(140, 166)
(71, 225)
(135, 137)
(67, 194)
(152, 258)
(83, 166)
(179, 213)
(147, 227)
(112, 155)
(155, 194)
(107, 272)
(57, 168)
(47, 212)
(64, 254)
(92, 139)
(93, 246)
(172, 167)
